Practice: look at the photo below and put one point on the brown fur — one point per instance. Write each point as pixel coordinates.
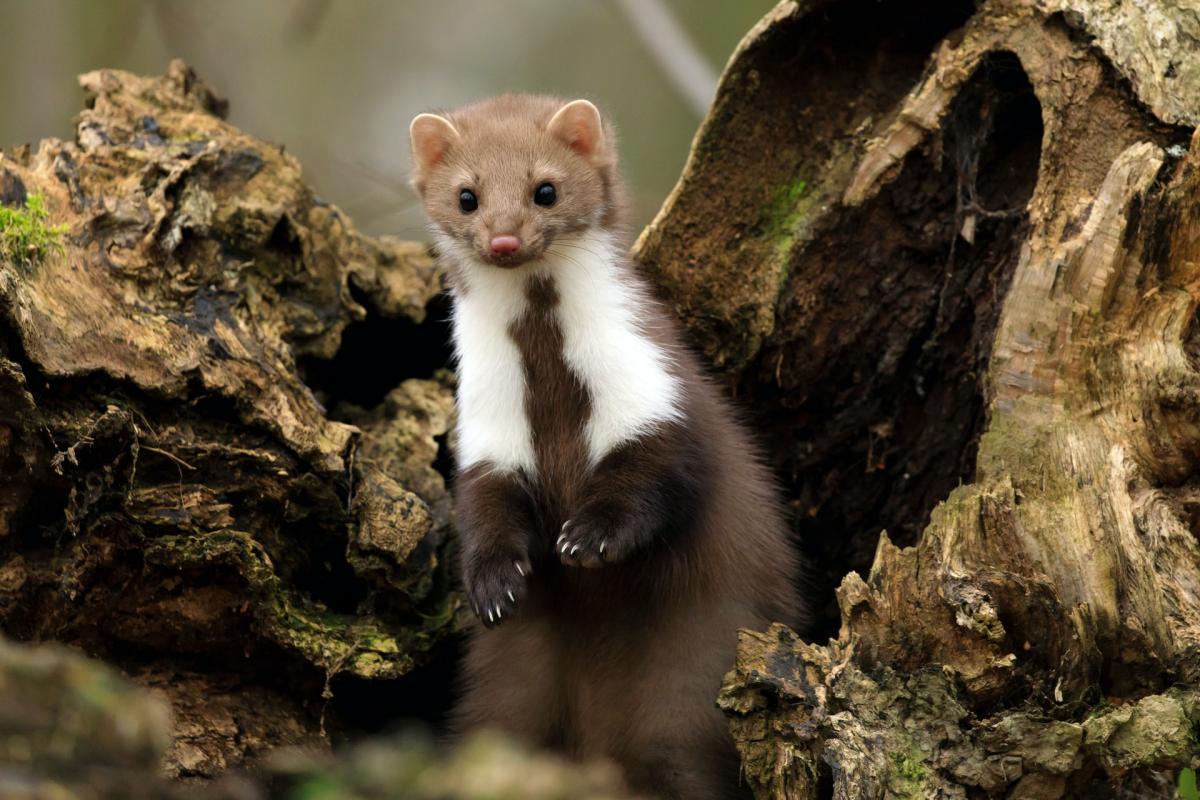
(617, 654)
(502, 153)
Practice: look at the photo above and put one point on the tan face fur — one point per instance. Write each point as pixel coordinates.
(501, 150)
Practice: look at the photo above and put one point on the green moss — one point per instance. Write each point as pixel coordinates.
(339, 642)
(334, 642)
(321, 787)
(1186, 787)
(907, 767)
(226, 547)
(795, 206)
(25, 238)
(784, 218)
(908, 774)
(790, 195)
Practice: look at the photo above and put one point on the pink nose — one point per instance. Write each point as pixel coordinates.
(505, 245)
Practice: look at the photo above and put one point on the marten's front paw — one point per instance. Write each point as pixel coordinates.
(591, 540)
(495, 586)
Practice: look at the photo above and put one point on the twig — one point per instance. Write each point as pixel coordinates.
(685, 66)
(171, 456)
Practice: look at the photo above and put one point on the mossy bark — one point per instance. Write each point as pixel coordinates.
(976, 330)
(174, 497)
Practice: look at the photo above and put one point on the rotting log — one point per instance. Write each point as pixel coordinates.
(174, 498)
(951, 259)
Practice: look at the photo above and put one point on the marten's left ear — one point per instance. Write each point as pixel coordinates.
(578, 125)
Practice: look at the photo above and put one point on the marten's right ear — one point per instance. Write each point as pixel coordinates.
(431, 136)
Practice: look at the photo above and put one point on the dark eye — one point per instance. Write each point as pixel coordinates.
(467, 201)
(545, 195)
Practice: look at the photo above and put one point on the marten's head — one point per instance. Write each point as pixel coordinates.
(505, 179)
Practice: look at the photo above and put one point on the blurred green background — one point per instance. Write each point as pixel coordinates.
(337, 81)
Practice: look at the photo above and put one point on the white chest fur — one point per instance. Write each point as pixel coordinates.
(627, 374)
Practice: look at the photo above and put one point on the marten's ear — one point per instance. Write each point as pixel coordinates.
(431, 136)
(578, 125)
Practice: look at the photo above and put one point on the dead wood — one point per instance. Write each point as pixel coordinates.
(949, 258)
(175, 498)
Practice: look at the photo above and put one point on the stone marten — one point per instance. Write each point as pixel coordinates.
(617, 523)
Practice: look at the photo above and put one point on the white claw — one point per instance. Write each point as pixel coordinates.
(563, 549)
(520, 571)
(491, 618)
(564, 526)
(602, 546)
(498, 612)
(510, 596)
(573, 549)
(560, 539)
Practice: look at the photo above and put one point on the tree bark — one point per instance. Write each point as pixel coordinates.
(174, 497)
(951, 259)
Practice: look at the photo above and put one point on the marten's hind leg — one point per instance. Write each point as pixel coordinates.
(651, 706)
(688, 757)
(509, 683)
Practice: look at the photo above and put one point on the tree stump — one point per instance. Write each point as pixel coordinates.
(174, 497)
(952, 260)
